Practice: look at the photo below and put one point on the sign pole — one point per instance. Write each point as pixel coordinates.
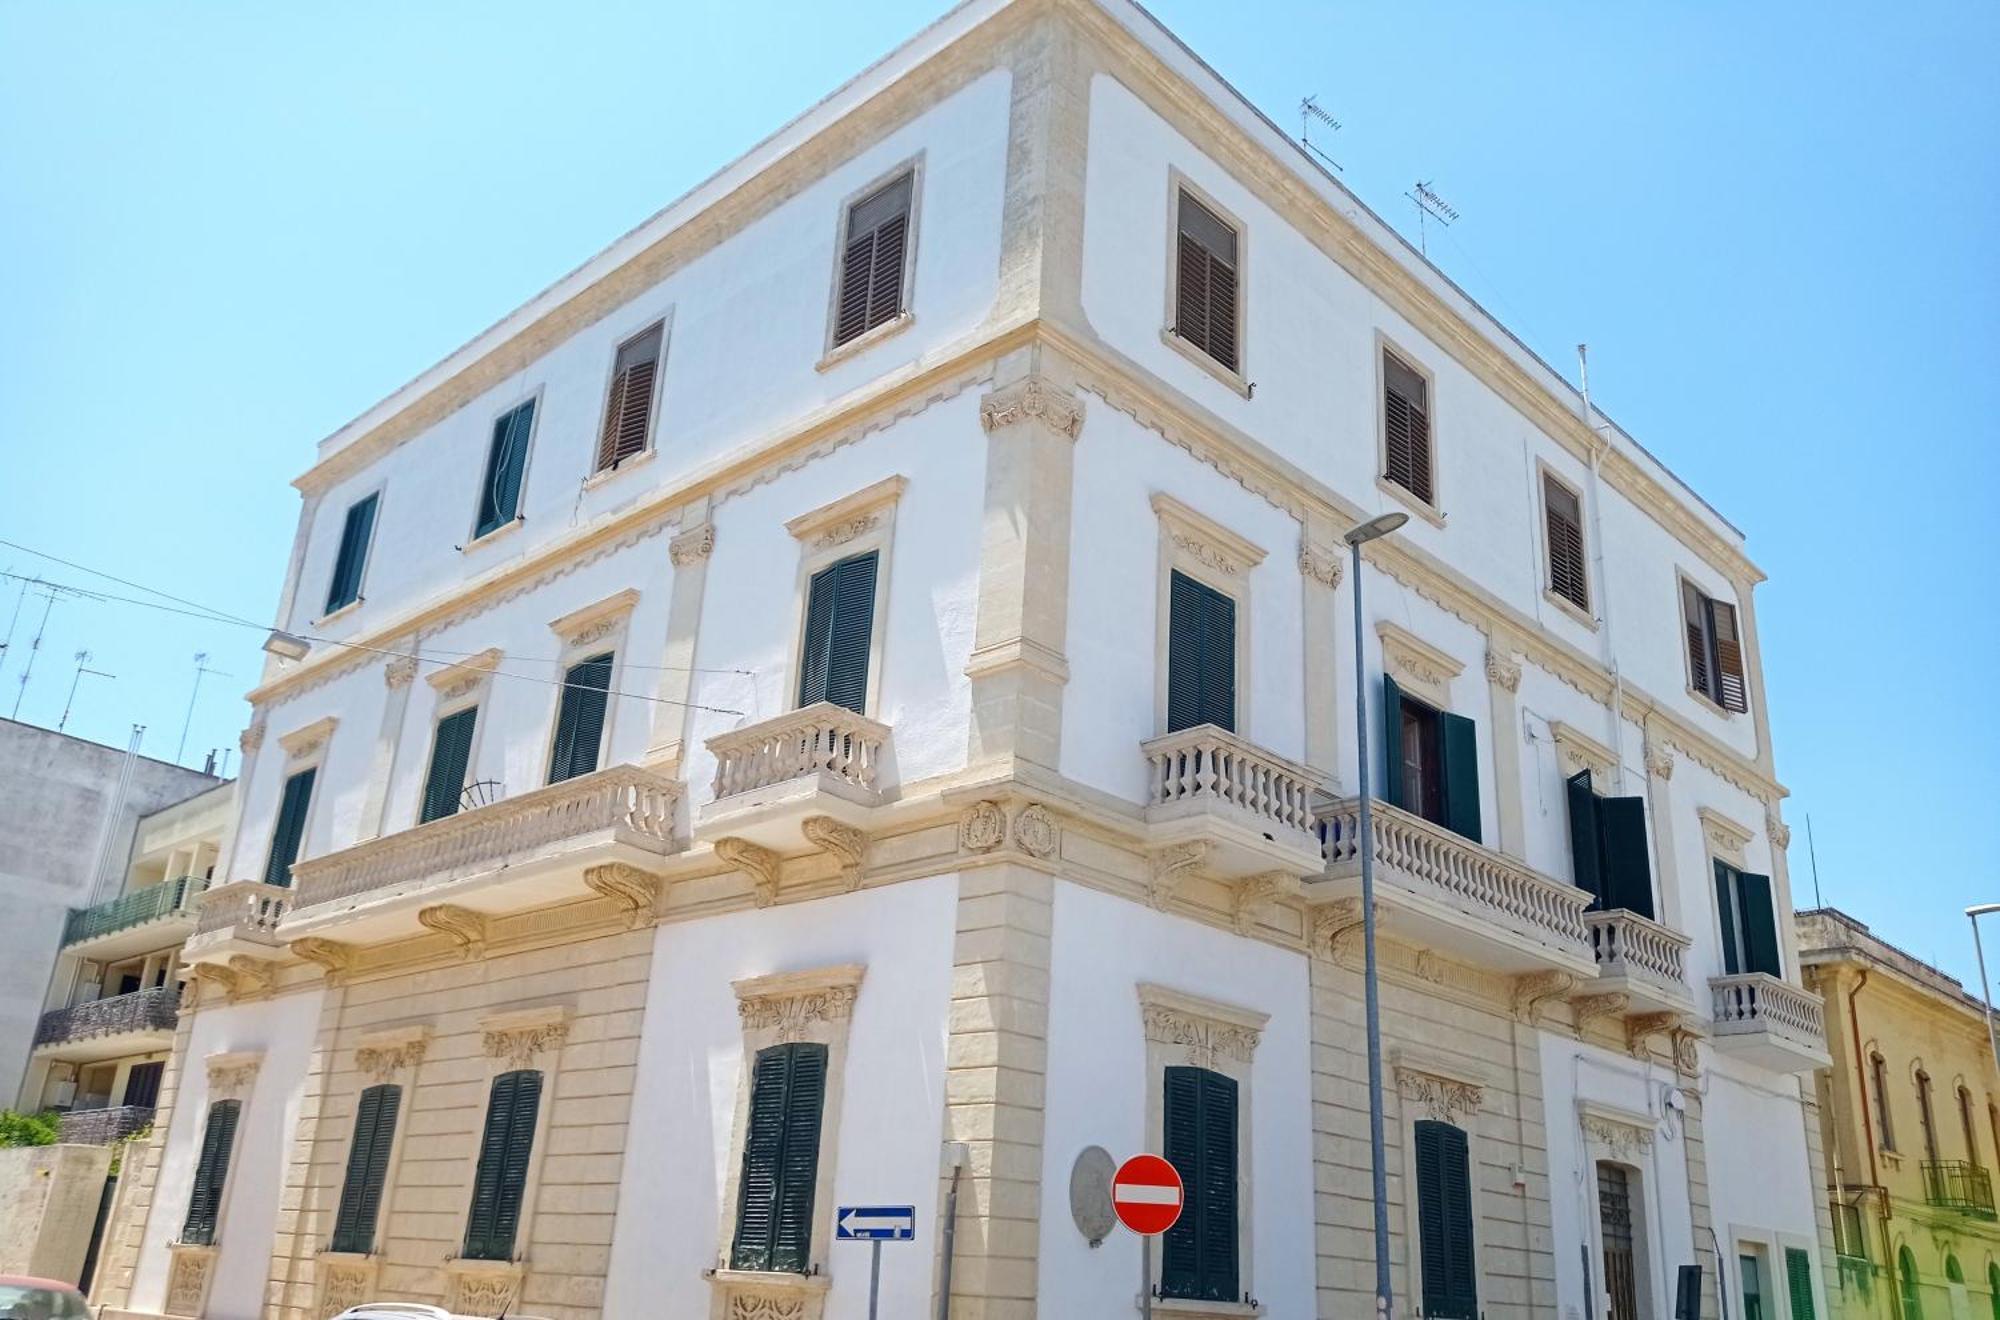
(1146, 1277)
(874, 1275)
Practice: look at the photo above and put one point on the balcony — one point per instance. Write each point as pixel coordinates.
(133, 1023)
(520, 852)
(1959, 1186)
(237, 920)
(138, 922)
(821, 760)
(1641, 960)
(1769, 1022)
(1446, 892)
(102, 1126)
(1249, 810)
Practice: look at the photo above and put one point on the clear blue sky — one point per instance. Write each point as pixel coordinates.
(227, 229)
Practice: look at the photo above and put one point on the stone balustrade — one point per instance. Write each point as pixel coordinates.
(243, 907)
(1209, 762)
(1756, 1003)
(820, 739)
(1633, 947)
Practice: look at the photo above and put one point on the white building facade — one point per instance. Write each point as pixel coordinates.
(848, 699)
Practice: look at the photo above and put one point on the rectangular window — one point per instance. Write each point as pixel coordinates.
(1751, 1267)
(1615, 1225)
(1848, 1237)
(451, 754)
(1201, 655)
(142, 1084)
(1444, 1222)
(211, 1173)
(1798, 1281)
(1198, 1257)
(580, 718)
(290, 832)
(1206, 281)
(1927, 1117)
(774, 1209)
(1406, 427)
(1433, 762)
(872, 262)
(1966, 1126)
(1563, 513)
(1878, 1077)
(506, 462)
(502, 1178)
(1715, 650)
(1608, 852)
(1749, 928)
(628, 408)
(840, 626)
(355, 535)
(367, 1169)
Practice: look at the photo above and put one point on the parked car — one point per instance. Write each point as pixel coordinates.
(24, 1297)
(411, 1311)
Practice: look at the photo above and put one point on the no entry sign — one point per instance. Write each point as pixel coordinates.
(1146, 1192)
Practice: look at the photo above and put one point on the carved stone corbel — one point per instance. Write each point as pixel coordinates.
(254, 976)
(1641, 1028)
(755, 863)
(331, 956)
(633, 890)
(465, 927)
(1172, 867)
(1336, 923)
(1253, 892)
(1536, 990)
(845, 844)
(211, 982)
(1589, 1008)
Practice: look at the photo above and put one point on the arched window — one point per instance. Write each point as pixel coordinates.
(1971, 1133)
(1925, 1116)
(1993, 1287)
(1878, 1076)
(1952, 1273)
(1906, 1283)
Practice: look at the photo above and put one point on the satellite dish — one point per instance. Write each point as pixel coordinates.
(1090, 1193)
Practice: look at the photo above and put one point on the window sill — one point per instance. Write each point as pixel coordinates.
(1188, 1309)
(1714, 708)
(349, 608)
(1570, 607)
(618, 469)
(861, 343)
(482, 540)
(1233, 379)
(781, 1279)
(1430, 513)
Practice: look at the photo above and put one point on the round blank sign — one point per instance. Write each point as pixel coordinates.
(1090, 1193)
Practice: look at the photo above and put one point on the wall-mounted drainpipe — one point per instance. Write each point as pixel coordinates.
(956, 1153)
(1603, 593)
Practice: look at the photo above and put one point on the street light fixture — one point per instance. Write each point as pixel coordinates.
(1973, 914)
(1355, 538)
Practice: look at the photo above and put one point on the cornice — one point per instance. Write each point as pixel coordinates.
(842, 520)
(459, 677)
(1206, 539)
(580, 627)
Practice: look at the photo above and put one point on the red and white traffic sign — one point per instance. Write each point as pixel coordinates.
(1146, 1192)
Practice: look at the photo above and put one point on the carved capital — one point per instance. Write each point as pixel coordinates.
(982, 827)
(230, 1076)
(466, 928)
(1536, 990)
(1035, 831)
(1034, 399)
(1441, 1099)
(1503, 669)
(1321, 563)
(1172, 867)
(757, 864)
(519, 1037)
(693, 545)
(1659, 759)
(399, 672)
(845, 844)
(633, 890)
(1781, 833)
(1619, 1137)
(252, 737)
(330, 956)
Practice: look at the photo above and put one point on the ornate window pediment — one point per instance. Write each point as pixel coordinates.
(1418, 666)
(1210, 1033)
(1436, 1088)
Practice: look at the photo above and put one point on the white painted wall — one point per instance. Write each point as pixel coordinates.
(284, 1029)
(891, 1126)
(1103, 947)
(1759, 1174)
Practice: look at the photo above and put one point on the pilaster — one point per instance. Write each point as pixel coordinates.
(1695, 1146)
(690, 550)
(1503, 684)
(399, 677)
(1322, 565)
(1659, 758)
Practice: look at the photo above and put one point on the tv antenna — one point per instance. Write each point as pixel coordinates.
(51, 592)
(82, 668)
(1309, 110)
(1431, 205)
(200, 668)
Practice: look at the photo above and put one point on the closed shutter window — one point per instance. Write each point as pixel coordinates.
(1198, 1259)
(211, 1173)
(506, 461)
(1444, 1222)
(1406, 427)
(840, 625)
(1749, 924)
(1206, 282)
(291, 828)
(628, 409)
(871, 264)
(1715, 649)
(1608, 848)
(580, 718)
(1563, 513)
(774, 1208)
(502, 1177)
(348, 564)
(1201, 655)
(367, 1169)
(451, 752)
(1798, 1280)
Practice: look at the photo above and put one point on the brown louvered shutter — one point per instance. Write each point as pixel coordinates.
(628, 409)
(1694, 621)
(1729, 691)
(1406, 427)
(1564, 515)
(1205, 282)
(871, 266)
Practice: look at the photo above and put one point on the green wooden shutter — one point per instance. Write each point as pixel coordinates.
(211, 1173)
(506, 461)
(290, 831)
(1725, 911)
(1180, 1259)
(501, 1180)
(352, 557)
(1460, 743)
(1760, 924)
(1627, 861)
(1444, 1222)
(367, 1169)
(1392, 743)
(1201, 655)
(780, 1159)
(451, 750)
(1198, 1259)
(1585, 846)
(840, 625)
(580, 718)
(1798, 1275)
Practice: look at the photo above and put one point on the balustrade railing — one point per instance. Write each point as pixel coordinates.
(1755, 1001)
(818, 739)
(1627, 944)
(243, 906)
(157, 1009)
(128, 910)
(1209, 763)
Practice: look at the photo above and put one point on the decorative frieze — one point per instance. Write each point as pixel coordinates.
(483, 1287)
(460, 678)
(188, 1277)
(231, 1075)
(1614, 1133)
(383, 1054)
(1203, 540)
(1208, 1031)
(519, 1036)
(1438, 1097)
(791, 1005)
(849, 518)
(1034, 398)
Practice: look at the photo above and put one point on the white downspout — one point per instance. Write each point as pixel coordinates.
(1609, 651)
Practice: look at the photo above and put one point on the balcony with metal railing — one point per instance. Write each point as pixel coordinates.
(107, 1028)
(1249, 809)
(1769, 1022)
(1961, 1186)
(821, 760)
(102, 1125)
(153, 917)
(1640, 959)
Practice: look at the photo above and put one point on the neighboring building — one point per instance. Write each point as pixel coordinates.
(847, 698)
(1910, 1113)
(56, 855)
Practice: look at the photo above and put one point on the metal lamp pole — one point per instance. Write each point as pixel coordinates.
(1973, 914)
(1379, 1172)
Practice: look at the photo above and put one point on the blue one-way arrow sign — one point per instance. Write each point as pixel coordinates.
(875, 1223)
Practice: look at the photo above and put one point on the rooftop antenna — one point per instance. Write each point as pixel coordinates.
(52, 593)
(1813, 854)
(200, 668)
(1309, 110)
(1431, 205)
(19, 598)
(82, 668)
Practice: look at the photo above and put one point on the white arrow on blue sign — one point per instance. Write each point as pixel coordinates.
(875, 1223)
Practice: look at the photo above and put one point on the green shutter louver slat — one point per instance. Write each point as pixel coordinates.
(513, 1104)
(1627, 861)
(367, 1169)
(816, 647)
(1217, 1170)
(451, 753)
(1459, 741)
(798, 1166)
(1798, 1276)
(1392, 743)
(580, 718)
(211, 1173)
(1586, 864)
(352, 556)
(514, 1166)
(1201, 655)
(289, 833)
(1444, 1222)
(1180, 1258)
(1725, 911)
(1760, 925)
(852, 631)
(763, 1146)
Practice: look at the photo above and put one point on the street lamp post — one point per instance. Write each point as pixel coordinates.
(1973, 914)
(1379, 1171)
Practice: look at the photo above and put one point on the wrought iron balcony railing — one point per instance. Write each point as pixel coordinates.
(1959, 1185)
(157, 1009)
(101, 1127)
(172, 897)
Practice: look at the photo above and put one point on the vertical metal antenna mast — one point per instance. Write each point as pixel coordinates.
(82, 663)
(200, 668)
